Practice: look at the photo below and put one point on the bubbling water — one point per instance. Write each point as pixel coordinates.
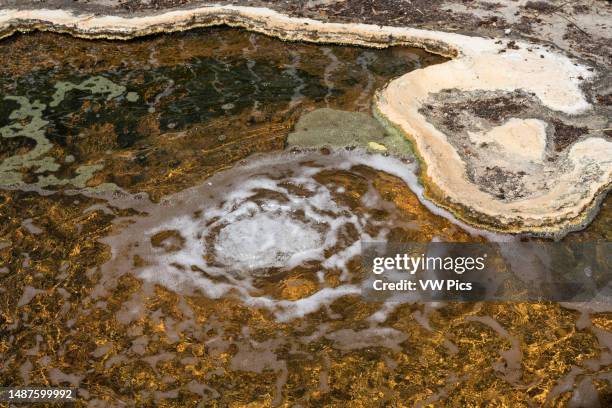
(266, 240)
(264, 222)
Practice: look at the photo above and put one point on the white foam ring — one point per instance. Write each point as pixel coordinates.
(269, 212)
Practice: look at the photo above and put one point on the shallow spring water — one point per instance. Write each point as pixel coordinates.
(146, 258)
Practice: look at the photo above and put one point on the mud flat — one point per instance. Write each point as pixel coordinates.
(535, 157)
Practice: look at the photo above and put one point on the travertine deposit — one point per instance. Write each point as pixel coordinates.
(503, 171)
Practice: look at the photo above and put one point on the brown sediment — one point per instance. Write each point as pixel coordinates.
(566, 135)
(237, 351)
(150, 345)
(220, 137)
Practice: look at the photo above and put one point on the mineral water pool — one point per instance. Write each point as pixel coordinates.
(165, 240)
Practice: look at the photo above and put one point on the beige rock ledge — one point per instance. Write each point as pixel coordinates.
(546, 191)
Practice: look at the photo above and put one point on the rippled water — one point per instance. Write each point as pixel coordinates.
(273, 220)
(133, 113)
(160, 244)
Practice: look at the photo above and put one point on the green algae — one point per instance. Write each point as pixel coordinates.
(160, 122)
(27, 121)
(33, 129)
(131, 97)
(96, 85)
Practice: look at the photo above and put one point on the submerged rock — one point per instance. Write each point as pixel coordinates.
(339, 129)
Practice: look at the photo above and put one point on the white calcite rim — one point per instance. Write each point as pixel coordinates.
(478, 64)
